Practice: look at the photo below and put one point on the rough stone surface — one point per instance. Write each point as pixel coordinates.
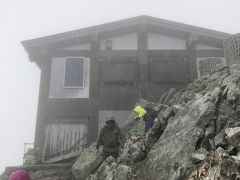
(86, 163)
(218, 166)
(112, 170)
(133, 150)
(233, 136)
(199, 155)
(169, 158)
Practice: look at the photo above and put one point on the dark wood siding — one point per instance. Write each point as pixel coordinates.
(168, 66)
(118, 70)
(167, 70)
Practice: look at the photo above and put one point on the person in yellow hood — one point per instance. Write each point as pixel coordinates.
(146, 114)
(140, 111)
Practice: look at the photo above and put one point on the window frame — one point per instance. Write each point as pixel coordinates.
(84, 72)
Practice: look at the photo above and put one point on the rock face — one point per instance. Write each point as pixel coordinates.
(218, 166)
(179, 139)
(87, 163)
(191, 124)
(133, 150)
(209, 119)
(112, 170)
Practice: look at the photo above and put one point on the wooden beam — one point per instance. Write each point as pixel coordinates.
(191, 57)
(143, 81)
(42, 104)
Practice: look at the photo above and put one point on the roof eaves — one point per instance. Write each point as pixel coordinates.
(116, 24)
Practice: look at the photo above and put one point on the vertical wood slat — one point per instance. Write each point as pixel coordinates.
(66, 146)
(46, 149)
(60, 138)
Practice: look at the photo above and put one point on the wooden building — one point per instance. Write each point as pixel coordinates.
(103, 70)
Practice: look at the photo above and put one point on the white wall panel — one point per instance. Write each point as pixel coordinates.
(124, 42)
(162, 42)
(57, 81)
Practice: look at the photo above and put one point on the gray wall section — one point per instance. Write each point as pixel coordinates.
(120, 117)
(57, 80)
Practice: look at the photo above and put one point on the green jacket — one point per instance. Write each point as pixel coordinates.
(110, 139)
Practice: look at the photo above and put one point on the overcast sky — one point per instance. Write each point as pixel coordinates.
(27, 19)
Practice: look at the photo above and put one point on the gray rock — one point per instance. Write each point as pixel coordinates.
(50, 172)
(111, 171)
(220, 67)
(237, 159)
(199, 155)
(86, 163)
(170, 157)
(133, 150)
(220, 140)
(122, 172)
(217, 166)
(235, 69)
(153, 134)
(233, 136)
(233, 94)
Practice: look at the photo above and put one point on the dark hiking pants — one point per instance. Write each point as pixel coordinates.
(105, 154)
(148, 123)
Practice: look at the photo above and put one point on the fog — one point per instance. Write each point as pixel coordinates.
(26, 19)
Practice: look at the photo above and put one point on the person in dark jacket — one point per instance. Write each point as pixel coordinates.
(110, 138)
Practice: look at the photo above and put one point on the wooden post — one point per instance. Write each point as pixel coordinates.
(143, 61)
(191, 57)
(42, 104)
(94, 89)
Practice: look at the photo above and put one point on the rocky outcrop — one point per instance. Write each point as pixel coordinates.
(112, 170)
(180, 137)
(86, 163)
(219, 165)
(192, 123)
(209, 119)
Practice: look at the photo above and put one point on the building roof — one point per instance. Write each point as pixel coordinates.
(124, 23)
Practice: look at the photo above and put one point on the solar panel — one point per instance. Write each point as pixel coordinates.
(74, 73)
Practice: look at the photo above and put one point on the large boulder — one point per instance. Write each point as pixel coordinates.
(111, 170)
(170, 158)
(133, 150)
(86, 163)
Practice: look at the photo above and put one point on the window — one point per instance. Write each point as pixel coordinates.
(74, 73)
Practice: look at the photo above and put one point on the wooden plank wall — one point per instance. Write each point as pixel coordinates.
(61, 139)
